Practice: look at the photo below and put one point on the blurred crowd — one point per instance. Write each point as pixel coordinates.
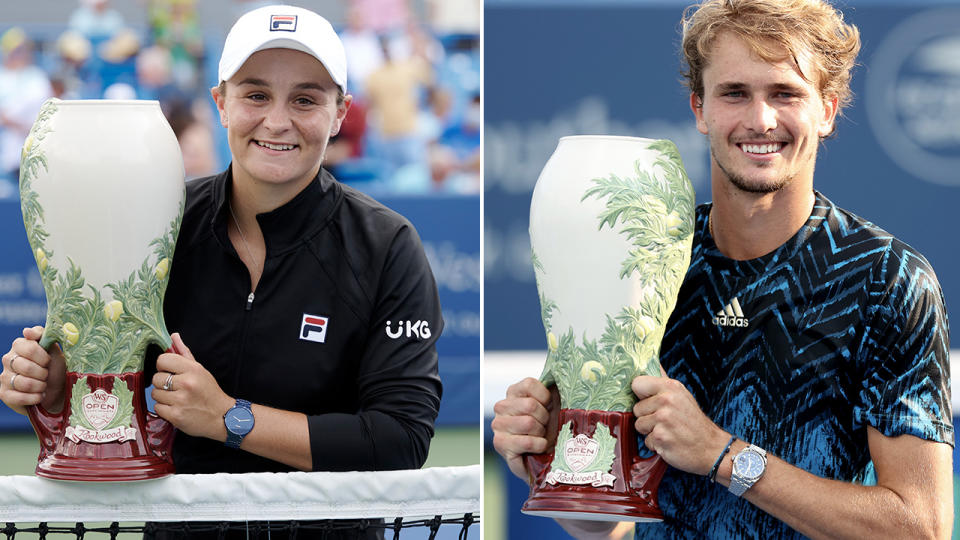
(414, 126)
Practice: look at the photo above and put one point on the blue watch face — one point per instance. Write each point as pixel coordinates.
(239, 420)
(749, 465)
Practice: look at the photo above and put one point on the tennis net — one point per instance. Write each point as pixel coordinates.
(439, 502)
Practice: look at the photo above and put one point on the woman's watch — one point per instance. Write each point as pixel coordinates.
(238, 421)
(748, 466)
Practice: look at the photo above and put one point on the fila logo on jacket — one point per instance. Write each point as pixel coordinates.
(731, 315)
(313, 328)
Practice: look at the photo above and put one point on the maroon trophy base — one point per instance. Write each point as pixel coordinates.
(633, 495)
(142, 453)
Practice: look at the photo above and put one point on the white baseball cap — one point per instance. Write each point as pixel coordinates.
(284, 27)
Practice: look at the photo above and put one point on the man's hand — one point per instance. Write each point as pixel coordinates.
(193, 402)
(40, 375)
(674, 426)
(525, 423)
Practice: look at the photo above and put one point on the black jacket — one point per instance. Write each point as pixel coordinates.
(342, 275)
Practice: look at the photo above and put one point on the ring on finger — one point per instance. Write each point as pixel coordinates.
(13, 385)
(168, 384)
(12, 360)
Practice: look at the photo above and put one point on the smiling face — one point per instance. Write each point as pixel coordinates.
(764, 120)
(280, 109)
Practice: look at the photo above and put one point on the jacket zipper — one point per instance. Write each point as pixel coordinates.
(243, 341)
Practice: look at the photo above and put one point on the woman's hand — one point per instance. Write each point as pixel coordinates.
(188, 396)
(31, 375)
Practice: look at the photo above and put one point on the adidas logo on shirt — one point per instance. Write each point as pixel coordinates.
(731, 315)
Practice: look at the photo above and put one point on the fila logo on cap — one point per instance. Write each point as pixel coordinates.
(313, 328)
(731, 315)
(283, 23)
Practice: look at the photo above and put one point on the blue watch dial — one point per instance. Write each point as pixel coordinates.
(749, 465)
(239, 420)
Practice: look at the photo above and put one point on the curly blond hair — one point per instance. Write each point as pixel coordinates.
(768, 27)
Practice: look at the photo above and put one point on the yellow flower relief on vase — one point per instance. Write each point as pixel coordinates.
(41, 259)
(113, 310)
(552, 342)
(673, 223)
(71, 333)
(643, 327)
(27, 145)
(591, 370)
(162, 268)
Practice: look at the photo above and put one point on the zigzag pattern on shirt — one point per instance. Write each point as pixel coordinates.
(846, 330)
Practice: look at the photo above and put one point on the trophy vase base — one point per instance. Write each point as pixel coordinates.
(139, 448)
(576, 487)
(576, 506)
(103, 470)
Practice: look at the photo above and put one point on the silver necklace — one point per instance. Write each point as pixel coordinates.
(243, 238)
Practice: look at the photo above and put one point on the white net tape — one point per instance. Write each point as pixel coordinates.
(447, 491)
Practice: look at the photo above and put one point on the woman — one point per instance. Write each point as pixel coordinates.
(310, 310)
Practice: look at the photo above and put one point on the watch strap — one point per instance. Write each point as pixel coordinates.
(738, 485)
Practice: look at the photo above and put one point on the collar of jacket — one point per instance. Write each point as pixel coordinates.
(287, 226)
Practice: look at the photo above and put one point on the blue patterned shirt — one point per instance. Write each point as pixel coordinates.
(798, 351)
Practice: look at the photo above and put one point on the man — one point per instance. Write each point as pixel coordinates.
(836, 376)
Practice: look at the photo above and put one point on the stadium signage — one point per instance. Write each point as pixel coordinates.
(911, 93)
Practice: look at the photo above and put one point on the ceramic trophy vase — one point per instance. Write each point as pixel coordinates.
(102, 191)
(611, 228)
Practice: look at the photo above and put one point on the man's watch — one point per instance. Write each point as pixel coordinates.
(238, 421)
(748, 466)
